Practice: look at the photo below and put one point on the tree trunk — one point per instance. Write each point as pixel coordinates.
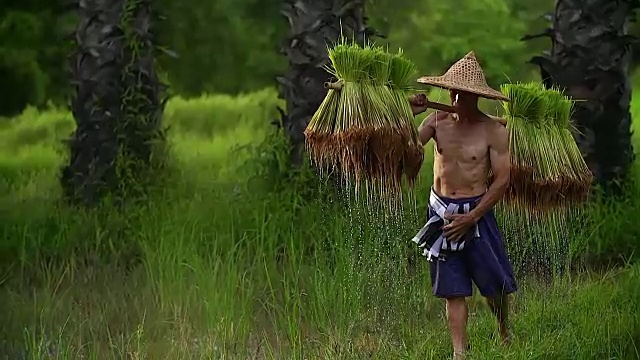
(315, 24)
(117, 104)
(590, 59)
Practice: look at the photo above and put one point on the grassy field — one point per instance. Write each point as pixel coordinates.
(231, 261)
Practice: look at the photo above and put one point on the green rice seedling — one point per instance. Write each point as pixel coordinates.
(571, 172)
(524, 114)
(577, 177)
(372, 138)
(547, 169)
(549, 177)
(409, 154)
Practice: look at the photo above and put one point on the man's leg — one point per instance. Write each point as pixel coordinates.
(457, 315)
(500, 307)
(450, 280)
(492, 272)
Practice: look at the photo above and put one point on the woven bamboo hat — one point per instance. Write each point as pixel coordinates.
(465, 75)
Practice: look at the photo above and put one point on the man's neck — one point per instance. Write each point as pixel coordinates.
(469, 115)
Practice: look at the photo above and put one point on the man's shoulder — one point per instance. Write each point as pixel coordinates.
(496, 131)
(493, 123)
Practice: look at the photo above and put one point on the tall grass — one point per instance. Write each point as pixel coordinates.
(232, 262)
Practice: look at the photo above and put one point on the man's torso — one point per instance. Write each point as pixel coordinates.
(461, 156)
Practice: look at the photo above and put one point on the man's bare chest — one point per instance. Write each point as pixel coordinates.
(466, 144)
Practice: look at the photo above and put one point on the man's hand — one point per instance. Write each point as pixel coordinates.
(458, 227)
(418, 103)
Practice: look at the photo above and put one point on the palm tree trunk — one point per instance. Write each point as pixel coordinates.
(118, 101)
(314, 25)
(590, 58)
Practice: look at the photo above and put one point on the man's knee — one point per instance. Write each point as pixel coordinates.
(456, 307)
(455, 300)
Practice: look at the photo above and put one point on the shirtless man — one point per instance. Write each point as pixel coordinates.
(461, 238)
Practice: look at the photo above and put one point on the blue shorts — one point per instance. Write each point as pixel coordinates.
(483, 261)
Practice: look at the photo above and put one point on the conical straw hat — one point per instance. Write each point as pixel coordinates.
(465, 75)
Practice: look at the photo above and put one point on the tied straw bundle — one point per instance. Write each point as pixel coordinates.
(547, 168)
(364, 127)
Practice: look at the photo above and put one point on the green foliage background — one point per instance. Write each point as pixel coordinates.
(233, 46)
(234, 259)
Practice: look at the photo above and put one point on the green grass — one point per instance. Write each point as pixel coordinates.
(217, 266)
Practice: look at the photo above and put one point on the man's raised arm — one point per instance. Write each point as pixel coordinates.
(427, 129)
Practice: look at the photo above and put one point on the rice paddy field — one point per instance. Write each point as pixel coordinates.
(231, 260)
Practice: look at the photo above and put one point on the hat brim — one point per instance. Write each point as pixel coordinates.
(485, 92)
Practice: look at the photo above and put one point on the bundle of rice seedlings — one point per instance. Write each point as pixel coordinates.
(577, 177)
(364, 127)
(401, 75)
(547, 169)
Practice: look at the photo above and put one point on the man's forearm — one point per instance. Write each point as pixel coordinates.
(495, 192)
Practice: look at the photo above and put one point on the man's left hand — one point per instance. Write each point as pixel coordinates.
(418, 103)
(460, 225)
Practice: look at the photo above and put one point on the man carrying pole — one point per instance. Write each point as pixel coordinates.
(461, 238)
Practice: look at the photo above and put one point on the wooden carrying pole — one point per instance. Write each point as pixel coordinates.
(432, 105)
(429, 104)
